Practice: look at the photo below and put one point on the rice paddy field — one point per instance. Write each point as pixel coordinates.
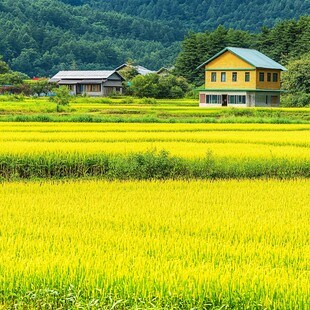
(155, 244)
(142, 215)
(154, 151)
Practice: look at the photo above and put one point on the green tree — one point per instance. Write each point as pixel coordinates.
(62, 97)
(41, 86)
(188, 59)
(11, 78)
(145, 86)
(4, 67)
(297, 78)
(297, 82)
(130, 71)
(152, 85)
(171, 86)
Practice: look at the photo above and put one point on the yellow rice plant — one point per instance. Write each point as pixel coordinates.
(37, 126)
(263, 137)
(185, 140)
(158, 132)
(180, 149)
(238, 244)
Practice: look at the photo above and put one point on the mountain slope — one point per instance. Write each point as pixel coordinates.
(200, 15)
(44, 36)
(41, 37)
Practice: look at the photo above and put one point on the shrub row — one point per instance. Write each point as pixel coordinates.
(146, 166)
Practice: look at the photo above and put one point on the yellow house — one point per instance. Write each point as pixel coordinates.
(241, 77)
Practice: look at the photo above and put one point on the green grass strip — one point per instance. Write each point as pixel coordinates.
(226, 119)
(146, 166)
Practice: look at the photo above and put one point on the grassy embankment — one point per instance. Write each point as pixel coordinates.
(137, 110)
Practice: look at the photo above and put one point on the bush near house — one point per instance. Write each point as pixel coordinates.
(27, 88)
(39, 86)
(159, 87)
(62, 97)
(11, 89)
(297, 82)
(10, 81)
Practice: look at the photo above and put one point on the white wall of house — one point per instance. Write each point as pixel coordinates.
(203, 103)
(253, 99)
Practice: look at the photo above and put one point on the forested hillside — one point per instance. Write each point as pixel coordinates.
(208, 14)
(41, 37)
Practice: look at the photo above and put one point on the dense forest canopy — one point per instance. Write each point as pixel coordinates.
(200, 15)
(41, 37)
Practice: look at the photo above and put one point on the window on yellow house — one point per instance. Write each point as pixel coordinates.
(247, 76)
(234, 76)
(223, 76)
(268, 77)
(216, 99)
(241, 99)
(213, 76)
(261, 76)
(234, 99)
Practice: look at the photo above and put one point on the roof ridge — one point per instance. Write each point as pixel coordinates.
(242, 48)
(85, 74)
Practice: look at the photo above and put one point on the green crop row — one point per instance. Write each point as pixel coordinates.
(146, 166)
(136, 118)
(70, 297)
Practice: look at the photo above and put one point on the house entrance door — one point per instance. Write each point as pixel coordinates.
(274, 101)
(224, 100)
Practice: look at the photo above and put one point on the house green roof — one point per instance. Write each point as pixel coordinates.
(252, 57)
